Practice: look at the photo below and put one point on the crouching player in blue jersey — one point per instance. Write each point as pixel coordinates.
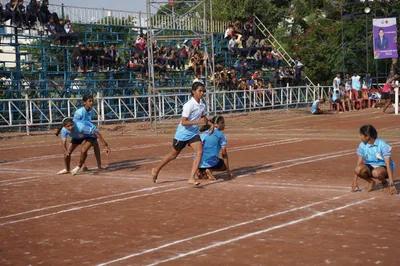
(214, 143)
(85, 113)
(81, 132)
(374, 161)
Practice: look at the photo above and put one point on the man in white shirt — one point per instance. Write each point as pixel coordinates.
(336, 82)
(355, 86)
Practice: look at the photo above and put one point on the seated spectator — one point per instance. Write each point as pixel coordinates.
(135, 64)
(12, 12)
(340, 100)
(44, 12)
(277, 58)
(183, 55)
(173, 60)
(196, 63)
(232, 45)
(22, 13)
(114, 55)
(229, 32)
(71, 34)
(52, 28)
(105, 59)
(33, 13)
(243, 84)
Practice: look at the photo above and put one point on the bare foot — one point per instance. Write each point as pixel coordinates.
(210, 175)
(193, 182)
(371, 186)
(101, 167)
(85, 169)
(154, 175)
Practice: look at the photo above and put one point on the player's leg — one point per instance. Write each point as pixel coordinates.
(85, 148)
(97, 154)
(381, 174)
(197, 146)
(174, 152)
(364, 172)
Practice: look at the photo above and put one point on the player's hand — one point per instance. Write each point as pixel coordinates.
(393, 190)
(108, 150)
(231, 176)
(66, 154)
(354, 186)
(205, 120)
(211, 130)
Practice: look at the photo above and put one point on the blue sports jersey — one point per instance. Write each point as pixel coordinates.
(82, 115)
(337, 94)
(193, 111)
(314, 106)
(82, 129)
(375, 154)
(212, 145)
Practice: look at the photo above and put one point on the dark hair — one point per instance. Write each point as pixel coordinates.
(65, 121)
(381, 30)
(195, 86)
(215, 120)
(368, 130)
(87, 97)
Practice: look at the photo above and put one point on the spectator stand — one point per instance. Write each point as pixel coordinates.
(200, 58)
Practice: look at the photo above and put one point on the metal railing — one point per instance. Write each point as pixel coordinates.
(48, 112)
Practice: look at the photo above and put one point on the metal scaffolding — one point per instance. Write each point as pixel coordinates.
(174, 30)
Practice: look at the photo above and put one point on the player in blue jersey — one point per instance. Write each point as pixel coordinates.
(214, 143)
(85, 113)
(81, 132)
(374, 161)
(187, 134)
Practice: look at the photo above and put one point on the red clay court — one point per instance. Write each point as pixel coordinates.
(290, 205)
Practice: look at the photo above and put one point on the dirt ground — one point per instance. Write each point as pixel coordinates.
(289, 205)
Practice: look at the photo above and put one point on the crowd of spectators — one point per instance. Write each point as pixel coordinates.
(26, 17)
(248, 54)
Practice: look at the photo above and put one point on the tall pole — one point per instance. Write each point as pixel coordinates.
(366, 39)
(341, 18)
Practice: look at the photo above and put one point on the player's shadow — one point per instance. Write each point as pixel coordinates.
(133, 165)
(250, 170)
(223, 177)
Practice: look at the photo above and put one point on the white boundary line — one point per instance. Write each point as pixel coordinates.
(218, 244)
(220, 230)
(17, 179)
(299, 188)
(83, 201)
(91, 205)
(20, 182)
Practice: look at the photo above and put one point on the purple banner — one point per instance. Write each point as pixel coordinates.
(385, 38)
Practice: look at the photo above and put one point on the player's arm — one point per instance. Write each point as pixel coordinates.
(354, 186)
(389, 169)
(100, 137)
(224, 153)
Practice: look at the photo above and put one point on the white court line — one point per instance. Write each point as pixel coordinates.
(92, 205)
(83, 201)
(218, 244)
(295, 185)
(20, 182)
(298, 188)
(58, 155)
(220, 230)
(16, 179)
